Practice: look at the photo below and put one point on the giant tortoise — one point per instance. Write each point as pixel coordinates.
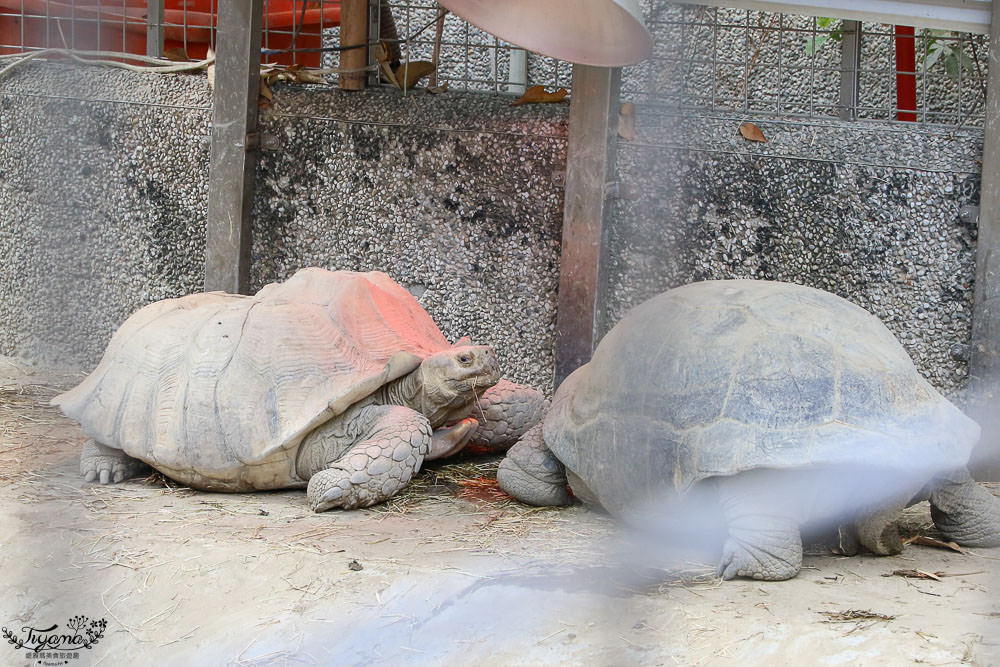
(782, 406)
(337, 381)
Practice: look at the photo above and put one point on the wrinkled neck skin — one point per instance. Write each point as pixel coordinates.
(427, 396)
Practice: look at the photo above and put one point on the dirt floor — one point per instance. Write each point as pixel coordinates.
(450, 572)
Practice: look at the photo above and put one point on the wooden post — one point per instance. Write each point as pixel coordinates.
(984, 364)
(354, 31)
(234, 147)
(593, 114)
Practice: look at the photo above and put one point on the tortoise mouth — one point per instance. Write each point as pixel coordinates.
(468, 369)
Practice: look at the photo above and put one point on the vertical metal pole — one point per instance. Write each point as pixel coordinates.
(234, 147)
(850, 61)
(984, 364)
(589, 171)
(154, 28)
(353, 31)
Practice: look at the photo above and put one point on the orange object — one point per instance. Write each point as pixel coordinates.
(120, 25)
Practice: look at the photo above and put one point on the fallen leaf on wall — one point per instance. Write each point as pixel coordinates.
(437, 90)
(538, 95)
(751, 132)
(409, 73)
(176, 54)
(210, 70)
(266, 96)
(626, 121)
(382, 56)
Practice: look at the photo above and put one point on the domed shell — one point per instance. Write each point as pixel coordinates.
(720, 377)
(217, 390)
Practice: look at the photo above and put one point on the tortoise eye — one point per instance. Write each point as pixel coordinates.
(464, 359)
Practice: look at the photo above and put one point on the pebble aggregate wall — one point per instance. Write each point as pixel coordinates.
(867, 211)
(103, 190)
(103, 187)
(455, 196)
(104, 195)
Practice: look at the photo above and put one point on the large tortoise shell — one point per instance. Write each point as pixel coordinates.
(719, 377)
(223, 387)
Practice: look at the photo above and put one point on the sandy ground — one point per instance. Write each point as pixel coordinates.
(448, 573)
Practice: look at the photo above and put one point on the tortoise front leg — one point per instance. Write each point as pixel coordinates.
(965, 511)
(390, 445)
(764, 540)
(532, 474)
(505, 412)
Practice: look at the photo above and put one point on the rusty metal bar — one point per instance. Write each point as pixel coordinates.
(234, 147)
(984, 363)
(589, 172)
(353, 32)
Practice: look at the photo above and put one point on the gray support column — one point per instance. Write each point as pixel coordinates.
(850, 60)
(154, 28)
(593, 115)
(234, 146)
(984, 365)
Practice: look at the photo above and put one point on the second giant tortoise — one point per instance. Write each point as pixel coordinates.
(336, 381)
(784, 406)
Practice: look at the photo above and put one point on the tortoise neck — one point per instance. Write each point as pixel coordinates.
(415, 392)
(403, 391)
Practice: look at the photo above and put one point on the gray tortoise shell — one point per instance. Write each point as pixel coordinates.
(720, 377)
(281, 362)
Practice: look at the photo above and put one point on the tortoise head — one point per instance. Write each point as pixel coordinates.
(454, 377)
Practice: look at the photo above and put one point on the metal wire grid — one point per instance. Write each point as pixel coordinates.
(106, 25)
(175, 28)
(467, 58)
(740, 60)
(704, 57)
(950, 87)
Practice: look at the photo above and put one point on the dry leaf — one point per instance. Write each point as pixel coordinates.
(210, 70)
(176, 54)
(266, 96)
(409, 73)
(931, 542)
(751, 132)
(382, 56)
(856, 615)
(437, 90)
(538, 95)
(310, 76)
(915, 574)
(626, 121)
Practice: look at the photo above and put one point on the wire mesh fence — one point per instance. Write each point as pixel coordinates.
(705, 58)
(742, 60)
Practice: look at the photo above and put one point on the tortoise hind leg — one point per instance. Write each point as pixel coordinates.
(965, 511)
(389, 446)
(106, 464)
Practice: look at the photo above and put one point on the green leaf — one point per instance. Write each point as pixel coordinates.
(812, 44)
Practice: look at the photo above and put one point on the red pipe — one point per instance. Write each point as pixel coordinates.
(906, 77)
